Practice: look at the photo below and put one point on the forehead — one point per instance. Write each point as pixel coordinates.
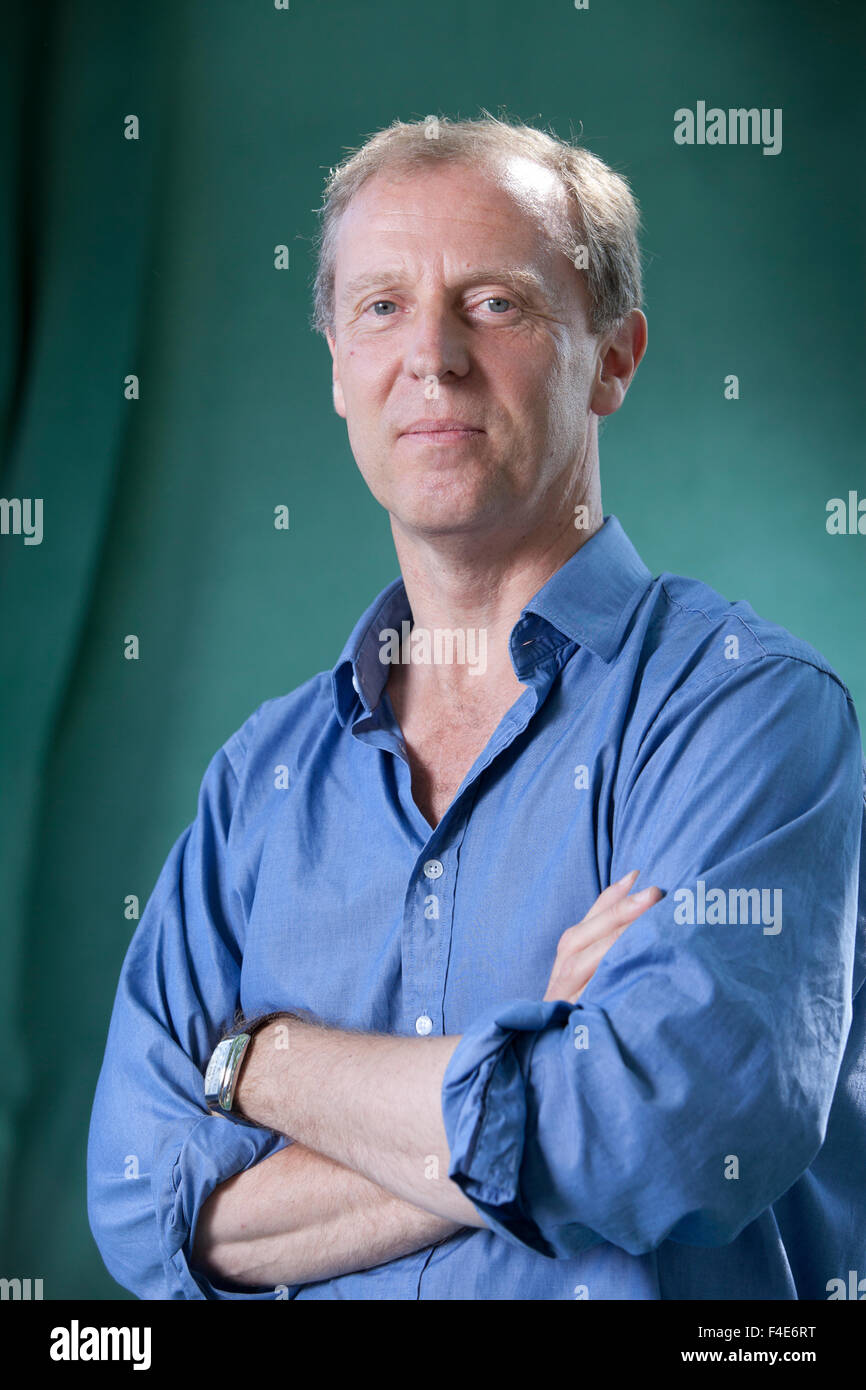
(514, 206)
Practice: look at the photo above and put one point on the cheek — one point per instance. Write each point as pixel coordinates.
(565, 384)
(358, 389)
(365, 377)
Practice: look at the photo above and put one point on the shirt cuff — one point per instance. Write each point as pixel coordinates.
(486, 1113)
(184, 1175)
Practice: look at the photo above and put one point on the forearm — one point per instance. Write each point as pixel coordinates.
(371, 1102)
(298, 1217)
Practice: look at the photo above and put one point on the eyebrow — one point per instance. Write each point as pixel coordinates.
(518, 277)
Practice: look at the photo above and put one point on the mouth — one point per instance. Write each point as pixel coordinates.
(441, 431)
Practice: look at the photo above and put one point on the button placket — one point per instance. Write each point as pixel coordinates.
(429, 911)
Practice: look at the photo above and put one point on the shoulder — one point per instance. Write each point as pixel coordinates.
(282, 726)
(713, 679)
(733, 716)
(695, 637)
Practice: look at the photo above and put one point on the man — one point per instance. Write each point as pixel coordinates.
(462, 1094)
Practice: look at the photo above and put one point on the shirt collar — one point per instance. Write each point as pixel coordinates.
(589, 600)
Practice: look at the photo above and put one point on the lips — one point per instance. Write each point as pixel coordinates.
(442, 427)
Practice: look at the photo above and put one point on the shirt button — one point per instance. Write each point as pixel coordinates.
(356, 685)
(433, 868)
(424, 1025)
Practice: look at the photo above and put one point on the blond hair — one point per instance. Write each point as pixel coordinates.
(604, 218)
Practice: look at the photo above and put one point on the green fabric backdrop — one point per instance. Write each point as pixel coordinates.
(156, 257)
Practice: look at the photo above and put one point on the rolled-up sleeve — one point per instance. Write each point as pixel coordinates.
(155, 1153)
(691, 1084)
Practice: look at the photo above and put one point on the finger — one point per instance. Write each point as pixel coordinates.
(571, 977)
(597, 925)
(613, 893)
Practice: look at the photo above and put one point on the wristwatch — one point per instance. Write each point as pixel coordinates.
(224, 1068)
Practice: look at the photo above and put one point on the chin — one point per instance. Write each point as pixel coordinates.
(438, 505)
(441, 520)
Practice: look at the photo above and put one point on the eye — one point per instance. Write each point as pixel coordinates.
(498, 300)
(377, 303)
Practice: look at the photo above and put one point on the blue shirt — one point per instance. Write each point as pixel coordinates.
(695, 1127)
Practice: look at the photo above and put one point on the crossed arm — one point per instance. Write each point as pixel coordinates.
(366, 1179)
(347, 1194)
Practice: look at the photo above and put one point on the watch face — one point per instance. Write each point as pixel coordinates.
(214, 1073)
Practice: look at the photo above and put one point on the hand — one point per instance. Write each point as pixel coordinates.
(582, 947)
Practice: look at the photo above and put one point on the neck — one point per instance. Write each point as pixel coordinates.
(479, 586)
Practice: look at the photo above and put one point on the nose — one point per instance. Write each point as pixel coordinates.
(436, 342)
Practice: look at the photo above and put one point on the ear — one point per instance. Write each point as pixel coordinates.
(620, 353)
(339, 403)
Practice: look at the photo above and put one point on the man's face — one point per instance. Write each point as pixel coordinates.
(453, 304)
